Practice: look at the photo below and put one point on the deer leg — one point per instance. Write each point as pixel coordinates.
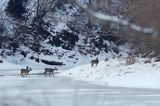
(45, 74)
(53, 74)
(28, 74)
(22, 74)
(50, 74)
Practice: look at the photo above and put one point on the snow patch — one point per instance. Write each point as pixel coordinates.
(115, 73)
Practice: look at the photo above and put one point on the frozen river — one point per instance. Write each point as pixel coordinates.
(40, 91)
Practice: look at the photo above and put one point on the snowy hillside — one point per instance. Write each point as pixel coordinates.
(115, 73)
(31, 32)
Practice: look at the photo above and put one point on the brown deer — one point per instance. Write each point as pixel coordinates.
(25, 72)
(49, 71)
(94, 62)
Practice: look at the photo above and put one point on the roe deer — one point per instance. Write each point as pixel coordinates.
(25, 72)
(94, 62)
(49, 71)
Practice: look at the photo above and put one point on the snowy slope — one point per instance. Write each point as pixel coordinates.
(111, 73)
(115, 73)
(61, 36)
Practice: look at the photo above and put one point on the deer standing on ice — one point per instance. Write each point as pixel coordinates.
(49, 71)
(94, 62)
(25, 72)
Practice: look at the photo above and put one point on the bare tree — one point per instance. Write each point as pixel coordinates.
(141, 21)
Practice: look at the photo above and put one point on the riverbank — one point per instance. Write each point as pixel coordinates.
(115, 73)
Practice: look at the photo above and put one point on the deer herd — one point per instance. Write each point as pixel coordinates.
(47, 71)
(50, 71)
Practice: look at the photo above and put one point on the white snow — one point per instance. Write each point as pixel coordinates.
(37, 90)
(115, 73)
(60, 27)
(3, 4)
(111, 73)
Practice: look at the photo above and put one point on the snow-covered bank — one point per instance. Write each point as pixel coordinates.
(111, 73)
(38, 90)
(115, 73)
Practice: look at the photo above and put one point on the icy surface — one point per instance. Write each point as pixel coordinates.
(38, 90)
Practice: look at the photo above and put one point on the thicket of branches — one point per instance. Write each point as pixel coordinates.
(146, 14)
